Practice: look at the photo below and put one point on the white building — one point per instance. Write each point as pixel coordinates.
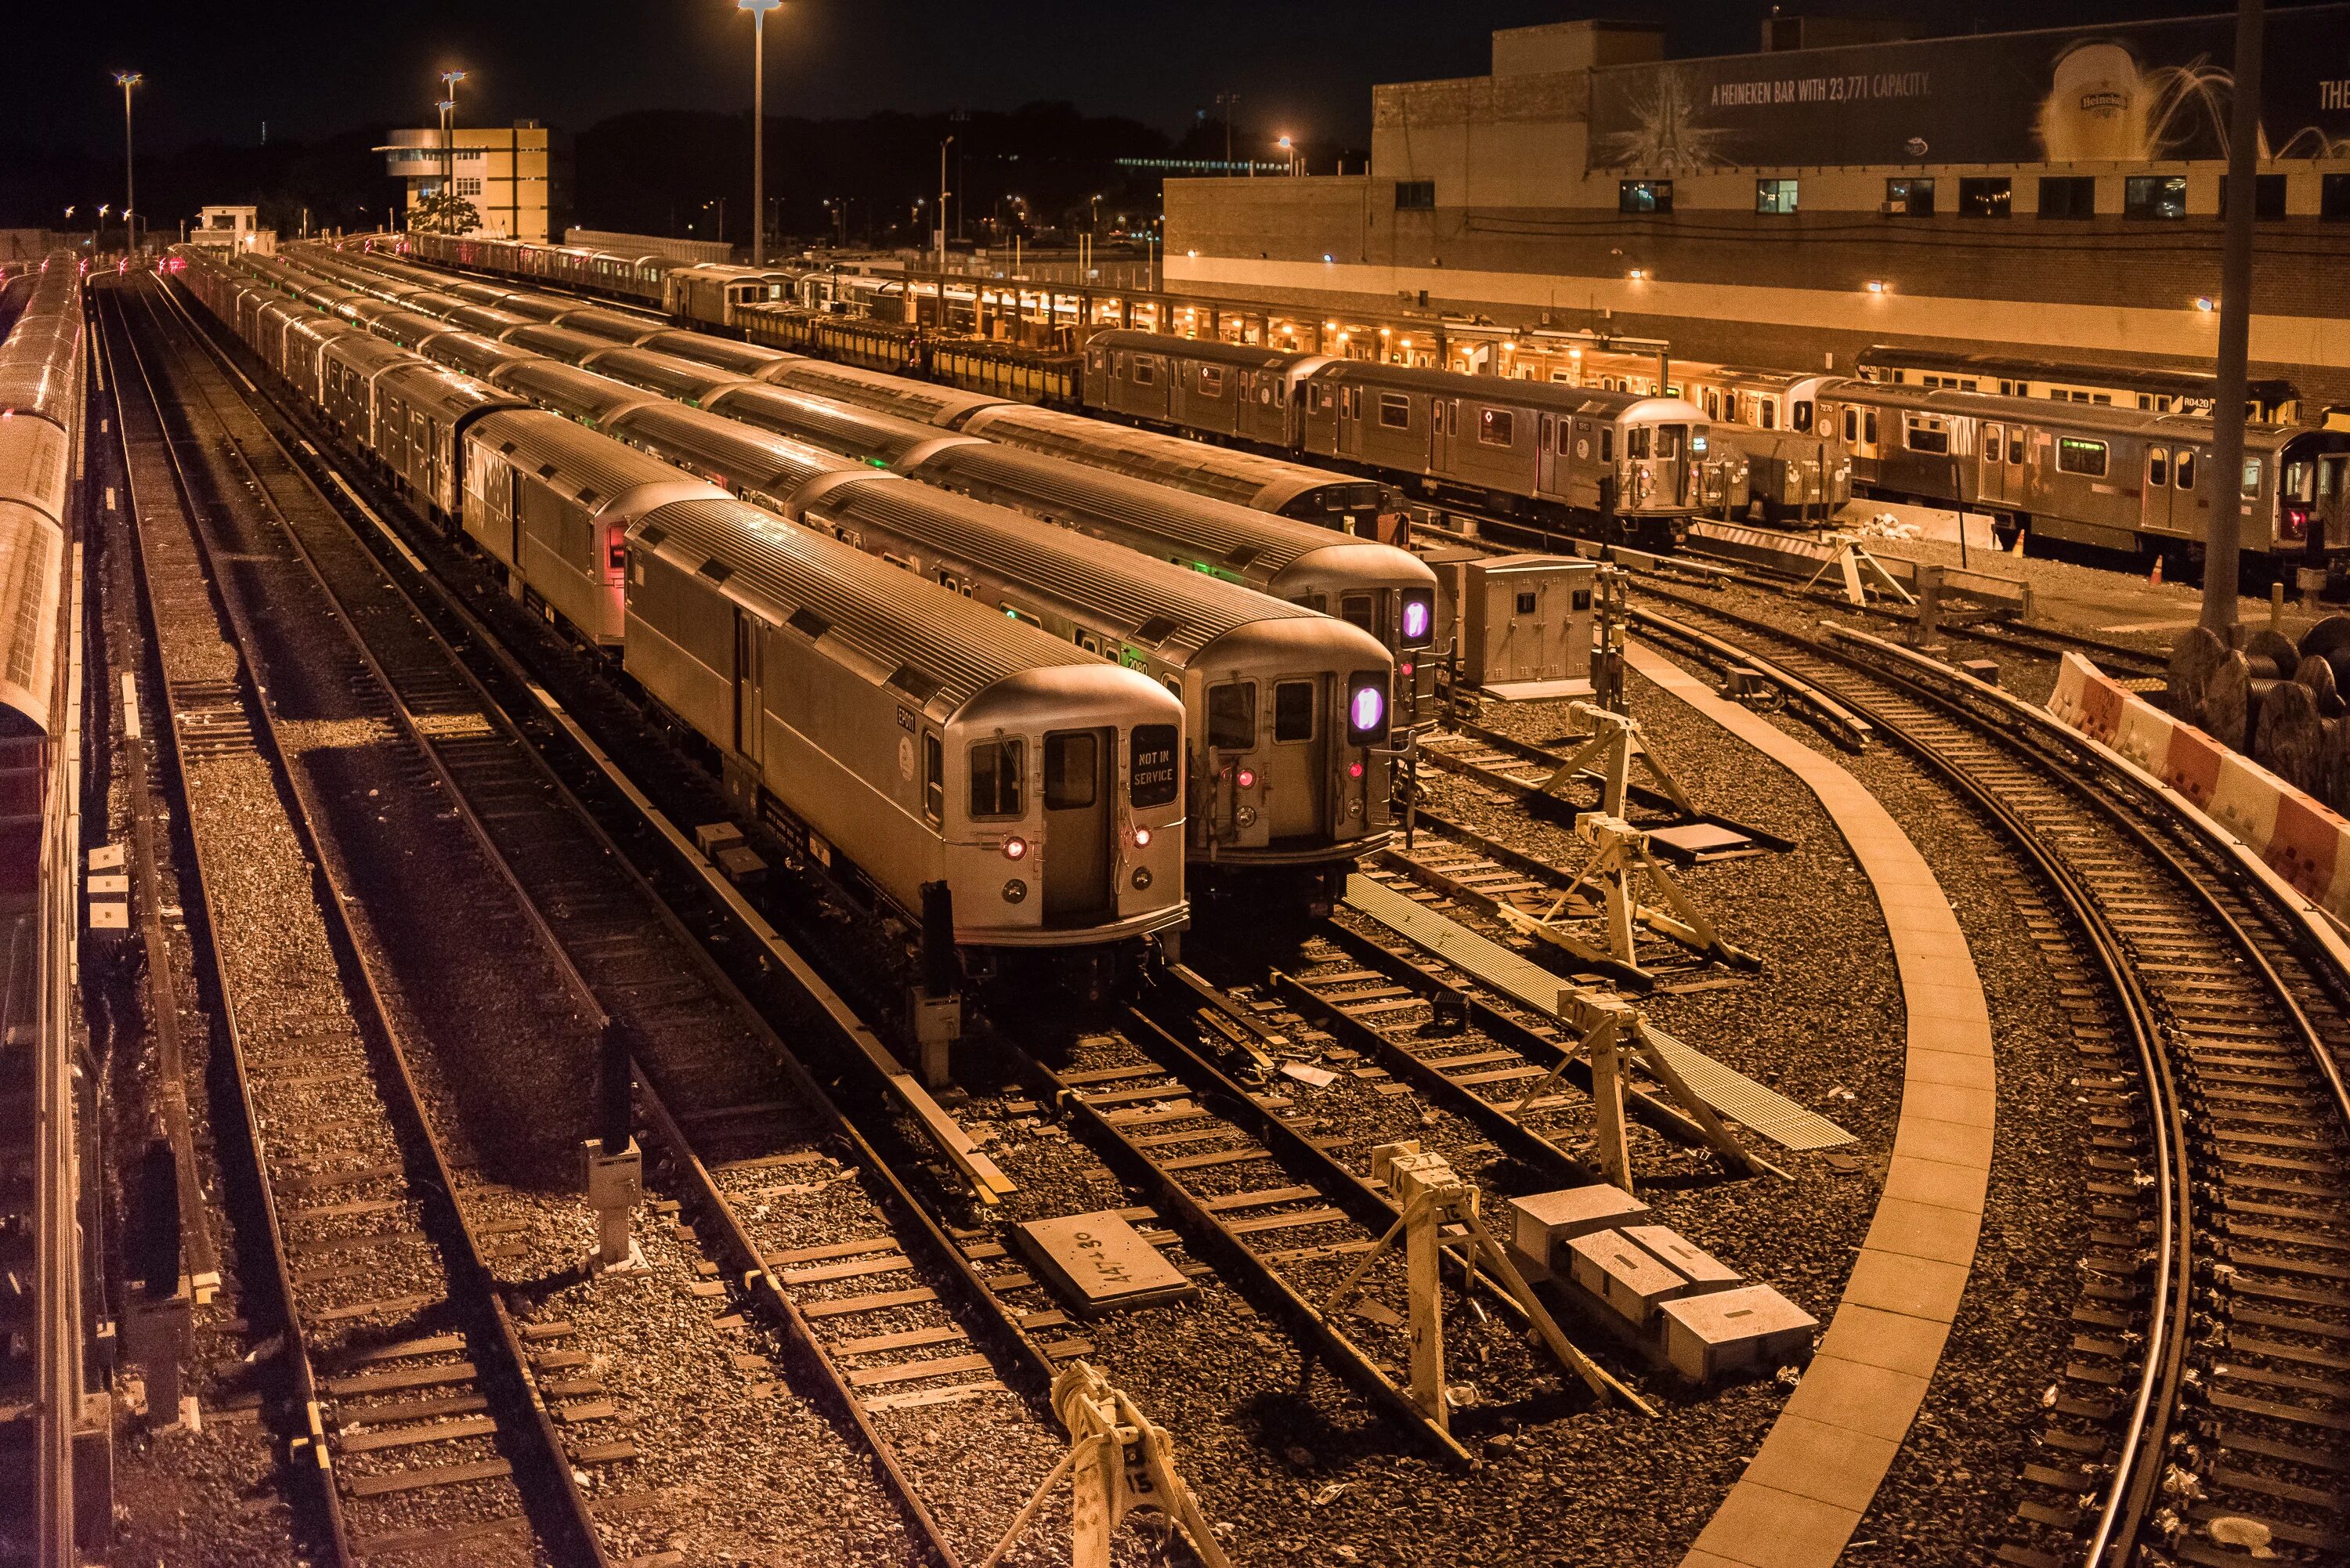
(512, 174)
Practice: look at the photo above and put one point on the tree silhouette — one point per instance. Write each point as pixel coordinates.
(443, 212)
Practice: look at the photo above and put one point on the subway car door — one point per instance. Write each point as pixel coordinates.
(2155, 513)
(1078, 861)
(749, 689)
(1547, 457)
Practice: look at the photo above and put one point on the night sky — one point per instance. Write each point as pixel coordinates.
(217, 68)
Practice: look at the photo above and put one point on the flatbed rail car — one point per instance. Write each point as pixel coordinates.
(981, 776)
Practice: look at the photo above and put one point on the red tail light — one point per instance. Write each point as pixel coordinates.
(2296, 522)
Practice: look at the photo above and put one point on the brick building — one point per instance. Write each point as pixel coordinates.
(2054, 193)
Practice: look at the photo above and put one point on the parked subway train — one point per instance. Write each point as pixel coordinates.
(980, 774)
(1382, 588)
(1290, 708)
(40, 393)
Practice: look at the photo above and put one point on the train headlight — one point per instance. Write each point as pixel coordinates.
(1418, 618)
(1015, 891)
(1142, 877)
(1014, 848)
(1141, 841)
(1367, 707)
(1246, 816)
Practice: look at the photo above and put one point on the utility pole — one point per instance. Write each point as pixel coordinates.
(448, 79)
(1226, 102)
(2225, 535)
(758, 9)
(126, 80)
(942, 223)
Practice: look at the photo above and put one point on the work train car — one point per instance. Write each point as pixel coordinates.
(710, 292)
(938, 745)
(2112, 477)
(40, 387)
(972, 770)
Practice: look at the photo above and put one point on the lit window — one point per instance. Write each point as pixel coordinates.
(1496, 427)
(2154, 196)
(1644, 196)
(1774, 196)
(2082, 457)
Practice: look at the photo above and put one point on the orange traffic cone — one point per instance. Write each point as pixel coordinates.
(2154, 577)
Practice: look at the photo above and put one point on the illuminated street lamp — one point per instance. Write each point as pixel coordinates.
(1290, 150)
(942, 215)
(449, 80)
(126, 80)
(758, 9)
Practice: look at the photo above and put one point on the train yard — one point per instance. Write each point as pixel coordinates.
(591, 1119)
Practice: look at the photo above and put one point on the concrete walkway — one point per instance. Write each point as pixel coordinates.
(1805, 1492)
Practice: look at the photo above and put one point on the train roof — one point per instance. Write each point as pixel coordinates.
(591, 469)
(1590, 402)
(2097, 418)
(558, 342)
(368, 355)
(1248, 356)
(614, 326)
(726, 353)
(939, 649)
(1245, 478)
(476, 355)
(1217, 533)
(487, 320)
(36, 362)
(866, 435)
(2163, 379)
(1149, 603)
(900, 395)
(667, 374)
(409, 329)
(451, 392)
(575, 393)
(775, 465)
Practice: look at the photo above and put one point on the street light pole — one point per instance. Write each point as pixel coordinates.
(448, 79)
(942, 212)
(2225, 536)
(758, 9)
(126, 80)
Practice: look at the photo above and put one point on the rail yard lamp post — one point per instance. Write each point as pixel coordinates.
(449, 80)
(942, 212)
(1289, 150)
(2221, 548)
(126, 80)
(758, 9)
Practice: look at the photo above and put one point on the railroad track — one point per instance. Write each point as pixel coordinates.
(928, 1357)
(2204, 1409)
(410, 1384)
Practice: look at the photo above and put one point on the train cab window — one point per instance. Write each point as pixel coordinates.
(2015, 446)
(1292, 710)
(1072, 770)
(1636, 441)
(1803, 415)
(934, 779)
(2296, 486)
(1608, 444)
(2082, 457)
(998, 772)
(1232, 715)
(1153, 779)
(1395, 410)
(2182, 468)
(1668, 440)
(2157, 466)
(1496, 427)
(1355, 610)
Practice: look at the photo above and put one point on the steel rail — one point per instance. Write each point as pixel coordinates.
(553, 1480)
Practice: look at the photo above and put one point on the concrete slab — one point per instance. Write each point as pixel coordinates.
(1893, 1340)
(1896, 1281)
(1761, 1526)
(1877, 1401)
(1100, 1263)
(1953, 1143)
(1924, 1231)
(1934, 1181)
(1950, 1103)
(1834, 1465)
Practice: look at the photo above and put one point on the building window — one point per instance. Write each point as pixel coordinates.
(1986, 197)
(1415, 195)
(1774, 196)
(2334, 197)
(2154, 196)
(2068, 196)
(1496, 427)
(1644, 196)
(2268, 197)
(1909, 198)
(2086, 457)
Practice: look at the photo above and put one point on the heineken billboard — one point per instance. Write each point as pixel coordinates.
(2138, 93)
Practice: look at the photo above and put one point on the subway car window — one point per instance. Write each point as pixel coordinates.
(2183, 470)
(1072, 770)
(1355, 610)
(1153, 779)
(1668, 439)
(1636, 441)
(1232, 715)
(1292, 710)
(996, 778)
(1496, 427)
(934, 779)
(1395, 410)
